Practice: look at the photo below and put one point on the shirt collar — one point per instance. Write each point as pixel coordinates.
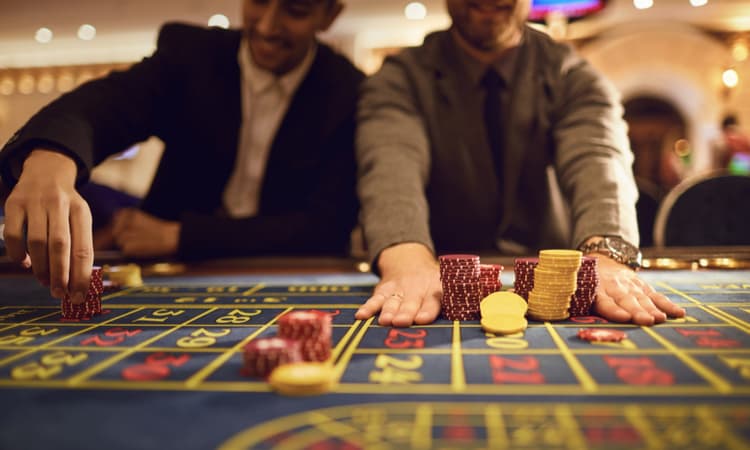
(504, 66)
(259, 79)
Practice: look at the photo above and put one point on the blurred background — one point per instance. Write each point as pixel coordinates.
(681, 65)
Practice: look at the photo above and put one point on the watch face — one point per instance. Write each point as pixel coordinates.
(625, 252)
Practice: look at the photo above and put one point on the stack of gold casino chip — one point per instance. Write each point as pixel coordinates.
(503, 313)
(555, 281)
(128, 275)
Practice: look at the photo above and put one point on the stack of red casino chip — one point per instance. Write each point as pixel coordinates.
(585, 295)
(462, 292)
(265, 354)
(523, 269)
(313, 329)
(489, 279)
(92, 304)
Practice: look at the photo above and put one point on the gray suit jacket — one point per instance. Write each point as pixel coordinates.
(567, 171)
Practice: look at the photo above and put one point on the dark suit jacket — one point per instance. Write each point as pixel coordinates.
(188, 94)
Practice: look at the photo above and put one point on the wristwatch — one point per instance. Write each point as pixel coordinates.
(616, 248)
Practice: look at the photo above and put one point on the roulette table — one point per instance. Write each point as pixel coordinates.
(161, 369)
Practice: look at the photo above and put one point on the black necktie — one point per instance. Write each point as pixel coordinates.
(492, 118)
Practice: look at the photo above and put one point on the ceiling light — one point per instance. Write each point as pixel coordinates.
(697, 3)
(86, 32)
(731, 78)
(43, 35)
(643, 4)
(219, 20)
(415, 11)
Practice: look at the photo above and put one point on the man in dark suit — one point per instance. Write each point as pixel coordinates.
(258, 132)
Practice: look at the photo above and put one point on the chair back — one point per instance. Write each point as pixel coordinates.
(709, 210)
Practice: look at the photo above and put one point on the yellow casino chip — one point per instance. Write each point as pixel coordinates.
(503, 303)
(304, 378)
(504, 323)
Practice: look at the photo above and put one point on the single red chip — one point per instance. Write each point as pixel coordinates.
(601, 335)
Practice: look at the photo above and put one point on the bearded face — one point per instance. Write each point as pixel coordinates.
(488, 25)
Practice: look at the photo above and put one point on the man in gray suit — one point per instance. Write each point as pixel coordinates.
(492, 137)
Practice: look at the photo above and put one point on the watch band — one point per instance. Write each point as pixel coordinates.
(616, 248)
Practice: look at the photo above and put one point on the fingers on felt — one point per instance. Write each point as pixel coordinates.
(648, 306)
(666, 305)
(660, 302)
(429, 311)
(15, 245)
(371, 306)
(609, 309)
(82, 249)
(407, 312)
(630, 303)
(389, 310)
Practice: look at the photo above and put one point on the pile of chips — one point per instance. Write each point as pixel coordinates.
(312, 329)
(555, 282)
(91, 306)
(460, 276)
(263, 355)
(503, 313)
(585, 295)
(489, 279)
(296, 360)
(587, 282)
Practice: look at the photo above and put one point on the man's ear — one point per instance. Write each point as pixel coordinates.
(331, 15)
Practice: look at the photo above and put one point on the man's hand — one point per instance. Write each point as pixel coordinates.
(409, 291)
(623, 297)
(57, 221)
(143, 235)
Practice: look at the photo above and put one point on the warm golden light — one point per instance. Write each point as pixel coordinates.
(45, 84)
(682, 147)
(730, 78)
(643, 4)
(7, 86)
(43, 35)
(26, 84)
(697, 3)
(65, 82)
(415, 11)
(219, 20)
(86, 32)
(740, 50)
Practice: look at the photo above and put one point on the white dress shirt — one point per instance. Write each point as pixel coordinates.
(265, 99)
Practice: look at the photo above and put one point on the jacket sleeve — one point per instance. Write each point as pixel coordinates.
(593, 158)
(99, 118)
(393, 159)
(323, 226)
